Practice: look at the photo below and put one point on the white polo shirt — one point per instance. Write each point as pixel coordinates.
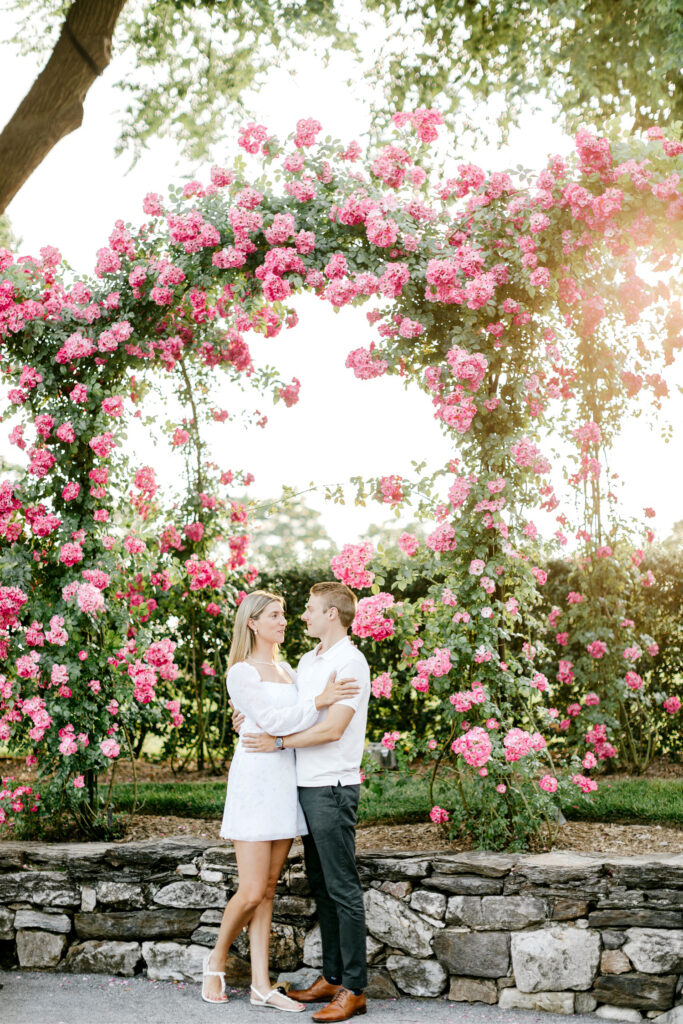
(339, 761)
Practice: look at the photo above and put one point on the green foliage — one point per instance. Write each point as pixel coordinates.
(8, 239)
(191, 63)
(286, 530)
(593, 60)
(614, 596)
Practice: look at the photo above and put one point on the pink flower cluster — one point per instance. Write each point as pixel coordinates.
(390, 739)
(475, 746)
(519, 743)
(382, 685)
(369, 620)
(349, 565)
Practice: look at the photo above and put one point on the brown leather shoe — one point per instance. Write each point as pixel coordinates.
(343, 1006)
(320, 992)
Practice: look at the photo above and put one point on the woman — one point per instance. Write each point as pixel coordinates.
(262, 813)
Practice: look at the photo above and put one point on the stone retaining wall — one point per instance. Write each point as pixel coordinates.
(561, 931)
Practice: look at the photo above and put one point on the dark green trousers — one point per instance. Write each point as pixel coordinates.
(330, 855)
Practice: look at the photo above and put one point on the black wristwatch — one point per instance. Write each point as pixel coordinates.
(279, 743)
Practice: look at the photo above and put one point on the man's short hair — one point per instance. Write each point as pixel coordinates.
(339, 596)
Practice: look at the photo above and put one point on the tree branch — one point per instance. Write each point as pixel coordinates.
(53, 107)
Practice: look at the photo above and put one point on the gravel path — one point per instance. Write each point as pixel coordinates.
(33, 998)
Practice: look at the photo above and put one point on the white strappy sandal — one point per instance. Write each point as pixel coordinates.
(261, 1000)
(206, 973)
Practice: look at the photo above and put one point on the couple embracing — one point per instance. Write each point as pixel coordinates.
(318, 711)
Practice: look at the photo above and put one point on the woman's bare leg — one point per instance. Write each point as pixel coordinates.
(259, 926)
(253, 867)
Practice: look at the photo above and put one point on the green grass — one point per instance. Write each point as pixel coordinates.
(404, 799)
(651, 801)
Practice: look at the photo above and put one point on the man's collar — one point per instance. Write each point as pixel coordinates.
(329, 653)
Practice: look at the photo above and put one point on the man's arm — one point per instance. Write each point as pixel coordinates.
(331, 729)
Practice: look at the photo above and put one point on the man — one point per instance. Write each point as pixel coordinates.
(328, 776)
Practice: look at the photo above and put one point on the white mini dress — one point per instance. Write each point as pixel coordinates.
(262, 801)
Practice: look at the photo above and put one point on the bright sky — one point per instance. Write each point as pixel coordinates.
(74, 197)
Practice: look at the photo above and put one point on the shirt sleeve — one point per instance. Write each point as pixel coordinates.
(250, 696)
(355, 668)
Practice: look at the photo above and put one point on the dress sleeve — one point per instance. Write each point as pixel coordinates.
(250, 696)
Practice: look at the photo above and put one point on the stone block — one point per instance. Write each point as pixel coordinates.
(464, 885)
(299, 980)
(559, 868)
(88, 899)
(555, 959)
(380, 985)
(473, 990)
(297, 909)
(433, 904)
(6, 924)
(474, 955)
(171, 961)
(39, 949)
(191, 894)
(313, 947)
(618, 1013)
(188, 870)
(647, 872)
(209, 875)
(137, 924)
(297, 880)
(584, 1002)
(568, 909)
(655, 950)
(613, 939)
(286, 945)
(638, 917)
(422, 978)
(237, 971)
(105, 957)
(641, 991)
(394, 869)
(45, 888)
(475, 862)
(496, 913)
(674, 1016)
(211, 917)
(614, 961)
(373, 948)
(550, 1002)
(59, 923)
(398, 889)
(394, 923)
(205, 935)
(120, 894)
(156, 855)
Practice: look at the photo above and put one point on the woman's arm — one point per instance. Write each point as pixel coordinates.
(333, 728)
(250, 697)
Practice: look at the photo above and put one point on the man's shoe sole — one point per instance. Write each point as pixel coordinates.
(356, 1013)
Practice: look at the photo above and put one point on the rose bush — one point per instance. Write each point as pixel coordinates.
(495, 294)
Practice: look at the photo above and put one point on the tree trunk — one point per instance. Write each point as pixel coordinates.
(53, 107)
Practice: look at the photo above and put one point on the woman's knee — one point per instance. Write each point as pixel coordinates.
(271, 886)
(250, 896)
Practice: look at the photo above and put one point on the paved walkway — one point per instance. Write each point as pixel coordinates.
(29, 997)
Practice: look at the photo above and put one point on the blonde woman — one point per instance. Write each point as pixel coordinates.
(262, 813)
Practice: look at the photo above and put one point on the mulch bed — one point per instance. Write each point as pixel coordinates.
(583, 837)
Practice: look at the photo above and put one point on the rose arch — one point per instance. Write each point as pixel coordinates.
(513, 300)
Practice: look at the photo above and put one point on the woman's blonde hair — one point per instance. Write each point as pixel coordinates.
(243, 638)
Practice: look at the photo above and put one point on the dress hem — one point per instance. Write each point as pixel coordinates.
(261, 838)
